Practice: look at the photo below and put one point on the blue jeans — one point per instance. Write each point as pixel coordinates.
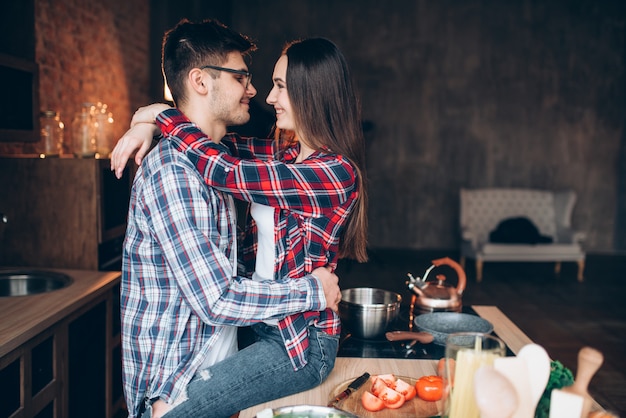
(259, 373)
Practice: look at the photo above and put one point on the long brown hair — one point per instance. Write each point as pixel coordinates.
(328, 114)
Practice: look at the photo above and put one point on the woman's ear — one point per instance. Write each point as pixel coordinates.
(198, 81)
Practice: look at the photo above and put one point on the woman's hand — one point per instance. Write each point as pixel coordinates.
(148, 114)
(139, 139)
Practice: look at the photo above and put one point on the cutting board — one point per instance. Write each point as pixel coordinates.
(415, 408)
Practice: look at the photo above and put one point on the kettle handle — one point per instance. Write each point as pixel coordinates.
(462, 280)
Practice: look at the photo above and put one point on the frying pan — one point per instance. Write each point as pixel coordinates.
(442, 324)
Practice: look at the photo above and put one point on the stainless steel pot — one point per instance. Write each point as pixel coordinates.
(304, 411)
(366, 312)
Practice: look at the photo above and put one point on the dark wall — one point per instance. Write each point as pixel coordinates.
(464, 93)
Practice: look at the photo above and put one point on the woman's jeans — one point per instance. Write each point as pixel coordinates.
(259, 373)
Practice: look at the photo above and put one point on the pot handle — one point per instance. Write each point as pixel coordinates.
(462, 280)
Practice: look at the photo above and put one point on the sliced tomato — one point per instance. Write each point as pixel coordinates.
(389, 379)
(378, 386)
(372, 402)
(397, 404)
(406, 389)
(391, 398)
(430, 388)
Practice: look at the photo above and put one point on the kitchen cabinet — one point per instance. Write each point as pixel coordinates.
(19, 117)
(34, 374)
(71, 368)
(63, 213)
(86, 386)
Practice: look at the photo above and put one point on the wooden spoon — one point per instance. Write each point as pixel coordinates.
(589, 361)
(423, 337)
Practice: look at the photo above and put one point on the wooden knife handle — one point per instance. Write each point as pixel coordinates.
(423, 337)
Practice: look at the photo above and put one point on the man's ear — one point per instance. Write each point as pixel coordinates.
(199, 80)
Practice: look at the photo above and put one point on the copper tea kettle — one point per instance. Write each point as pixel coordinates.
(438, 295)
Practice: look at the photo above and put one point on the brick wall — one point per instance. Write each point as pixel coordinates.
(88, 52)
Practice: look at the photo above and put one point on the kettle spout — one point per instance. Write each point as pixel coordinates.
(416, 285)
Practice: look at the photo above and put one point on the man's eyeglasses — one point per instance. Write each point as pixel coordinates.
(246, 75)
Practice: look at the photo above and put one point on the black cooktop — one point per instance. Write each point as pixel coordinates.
(351, 346)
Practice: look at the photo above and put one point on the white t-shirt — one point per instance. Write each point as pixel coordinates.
(264, 267)
(263, 215)
(264, 218)
(226, 345)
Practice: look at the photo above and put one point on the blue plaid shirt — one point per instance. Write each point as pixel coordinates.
(178, 290)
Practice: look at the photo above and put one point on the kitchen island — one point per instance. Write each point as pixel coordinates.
(347, 368)
(50, 341)
(60, 351)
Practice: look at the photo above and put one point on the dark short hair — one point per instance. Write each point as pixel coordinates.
(189, 45)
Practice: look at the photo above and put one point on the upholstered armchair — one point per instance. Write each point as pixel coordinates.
(482, 210)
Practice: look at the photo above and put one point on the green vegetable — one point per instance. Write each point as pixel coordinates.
(560, 376)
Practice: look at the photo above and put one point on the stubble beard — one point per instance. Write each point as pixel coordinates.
(228, 112)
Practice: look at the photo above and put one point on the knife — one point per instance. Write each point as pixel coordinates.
(355, 385)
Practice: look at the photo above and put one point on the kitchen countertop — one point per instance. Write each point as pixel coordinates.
(24, 317)
(349, 367)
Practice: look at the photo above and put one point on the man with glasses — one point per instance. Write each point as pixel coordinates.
(245, 77)
(181, 298)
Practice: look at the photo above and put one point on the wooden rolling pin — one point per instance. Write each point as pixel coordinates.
(589, 361)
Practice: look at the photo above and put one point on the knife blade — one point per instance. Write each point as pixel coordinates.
(352, 387)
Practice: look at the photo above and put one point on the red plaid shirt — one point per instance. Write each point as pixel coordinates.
(314, 199)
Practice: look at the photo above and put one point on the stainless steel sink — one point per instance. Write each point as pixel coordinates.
(31, 282)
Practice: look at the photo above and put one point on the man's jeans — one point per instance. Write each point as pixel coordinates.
(259, 373)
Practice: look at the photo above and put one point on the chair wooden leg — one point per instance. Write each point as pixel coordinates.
(581, 269)
(462, 261)
(557, 268)
(479, 270)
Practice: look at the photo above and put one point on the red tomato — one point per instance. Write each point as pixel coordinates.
(429, 388)
(407, 390)
(441, 367)
(371, 402)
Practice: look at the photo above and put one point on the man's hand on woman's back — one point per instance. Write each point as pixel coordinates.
(330, 284)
